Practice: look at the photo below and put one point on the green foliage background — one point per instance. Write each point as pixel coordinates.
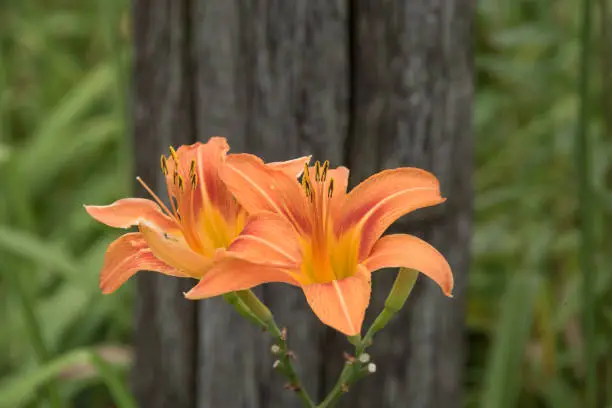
(63, 72)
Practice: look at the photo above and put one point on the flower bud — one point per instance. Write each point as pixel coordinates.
(364, 358)
(371, 368)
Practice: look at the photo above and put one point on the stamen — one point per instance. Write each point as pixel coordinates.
(174, 155)
(330, 190)
(181, 183)
(174, 202)
(178, 215)
(174, 177)
(306, 174)
(155, 197)
(194, 181)
(192, 168)
(324, 172)
(164, 165)
(306, 186)
(317, 171)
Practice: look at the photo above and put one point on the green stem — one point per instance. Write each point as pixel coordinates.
(339, 388)
(233, 299)
(354, 369)
(402, 287)
(285, 366)
(586, 210)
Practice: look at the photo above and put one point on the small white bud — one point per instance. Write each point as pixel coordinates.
(371, 368)
(275, 349)
(364, 358)
(276, 364)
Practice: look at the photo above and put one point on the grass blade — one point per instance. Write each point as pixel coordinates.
(119, 391)
(502, 385)
(586, 210)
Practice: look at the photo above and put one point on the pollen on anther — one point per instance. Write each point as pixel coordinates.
(192, 168)
(175, 177)
(324, 172)
(317, 171)
(330, 190)
(181, 183)
(306, 186)
(164, 165)
(194, 180)
(174, 155)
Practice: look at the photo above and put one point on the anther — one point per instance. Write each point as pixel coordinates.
(306, 174)
(192, 168)
(324, 172)
(181, 183)
(178, 215)
(306, 186)
(174, 177)
(317, 171)
(330, 190)
(194, 180)
(164, 165)
(174, 155)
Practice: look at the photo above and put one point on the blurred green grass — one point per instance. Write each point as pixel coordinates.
(63, 70)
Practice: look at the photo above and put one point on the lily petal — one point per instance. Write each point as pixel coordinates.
(384, 197)
(127, 255)
(211, 156)
(127, 212)
(341, 304)
(173, 250)
(402, 250)
(340, 175)
(260, 188)
(293, 167)
(231, 274)
(268, 238)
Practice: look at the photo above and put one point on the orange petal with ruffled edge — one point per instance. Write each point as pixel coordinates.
(128, 212)
(293, 167)
(259, 188)
(341, 304)
(402, 250)
(127, 255)
(268, 238)
(210, 157)
(232, 274)
(381, 199)
(173, 250)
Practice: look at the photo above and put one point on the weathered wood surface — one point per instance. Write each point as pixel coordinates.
(412, 96)
(371, 84)
(165, 332)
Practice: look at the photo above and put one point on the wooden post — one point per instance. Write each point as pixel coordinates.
(371, 84)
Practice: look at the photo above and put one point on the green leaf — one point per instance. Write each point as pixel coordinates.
(503, 372)
(20, 389)
(30, 247)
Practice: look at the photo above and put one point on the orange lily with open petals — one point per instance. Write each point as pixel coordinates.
(181, 240)
(322, 239)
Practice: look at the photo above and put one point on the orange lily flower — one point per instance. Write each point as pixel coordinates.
(319, 237)
(180, 241)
